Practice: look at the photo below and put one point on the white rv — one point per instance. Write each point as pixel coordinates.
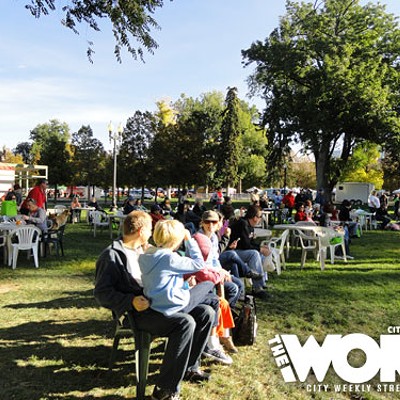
(24, 174)
(356, 192)
(7, 177)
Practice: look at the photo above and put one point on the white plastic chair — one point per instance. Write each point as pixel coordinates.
(27, 238)
(327, 241)
(99, 220)
(310, 242)
(295, 237)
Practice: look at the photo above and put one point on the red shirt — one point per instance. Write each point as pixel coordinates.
(155, 218)
(289, 200)
(38, 195)
(300, 216)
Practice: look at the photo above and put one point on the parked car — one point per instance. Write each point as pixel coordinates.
(137, 194)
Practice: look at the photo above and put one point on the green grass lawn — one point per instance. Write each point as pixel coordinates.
(55, 341)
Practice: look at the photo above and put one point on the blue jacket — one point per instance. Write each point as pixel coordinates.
(162, 276)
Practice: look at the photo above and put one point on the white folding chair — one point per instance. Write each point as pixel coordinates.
(99, 220)
(24, 238)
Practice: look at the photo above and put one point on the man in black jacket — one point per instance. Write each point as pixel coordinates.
(242, 233)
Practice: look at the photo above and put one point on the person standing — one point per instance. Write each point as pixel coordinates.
(218, 198)
(75, 210)
(15, 194)
(289, 200)
(373, 202)
(38, 193)
(320, 198)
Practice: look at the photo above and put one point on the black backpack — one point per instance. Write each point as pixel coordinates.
(245, 330)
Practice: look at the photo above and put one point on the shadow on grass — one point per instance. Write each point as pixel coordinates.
(76, 299)
(66, 358)
(53, 359)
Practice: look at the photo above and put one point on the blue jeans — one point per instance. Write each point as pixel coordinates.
(233, 290)
(187, 336)
(254, 260)
(231, 261)
(203, 293)
(190, 227)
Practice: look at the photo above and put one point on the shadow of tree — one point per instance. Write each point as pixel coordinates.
(77, 299)
(57, 358)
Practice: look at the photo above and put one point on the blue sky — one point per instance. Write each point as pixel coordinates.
(44, 72)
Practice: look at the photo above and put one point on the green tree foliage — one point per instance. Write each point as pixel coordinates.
(58, 157)
(131, 20)
(193, 147)
(43, 134)
(391, 170)
(364, 165)
(201, 119)
(329, 77)
(166, 113)
(163, 156)
(89, 158)
(134, 155)
(24, 150)
(300, 174)
(252, 165)
(8, 156)
(50, 146)
(230, 145)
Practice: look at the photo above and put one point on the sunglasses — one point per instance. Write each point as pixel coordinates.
(210, 222)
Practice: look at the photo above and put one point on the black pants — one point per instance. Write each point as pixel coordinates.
(187, 336)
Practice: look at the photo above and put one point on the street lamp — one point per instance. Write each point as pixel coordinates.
(116, 137)
(284, 177)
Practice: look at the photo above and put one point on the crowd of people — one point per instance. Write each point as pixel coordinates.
(193, 272)
(179, 271)
(186, 284)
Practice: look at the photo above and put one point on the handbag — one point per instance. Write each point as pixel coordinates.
(9, 208)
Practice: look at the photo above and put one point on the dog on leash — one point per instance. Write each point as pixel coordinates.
(59, 219)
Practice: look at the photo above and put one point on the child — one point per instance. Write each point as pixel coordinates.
(163, 269)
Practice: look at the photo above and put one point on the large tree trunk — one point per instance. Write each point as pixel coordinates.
(322, 167)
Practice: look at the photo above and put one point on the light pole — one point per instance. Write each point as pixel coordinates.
(116, 137)
(284, 177)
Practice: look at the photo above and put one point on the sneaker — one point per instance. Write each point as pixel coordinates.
(197, 376)
(228, 344)
(339, 257)
(217, 355)
(349, 257)
(164, 394)
(254, 275)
